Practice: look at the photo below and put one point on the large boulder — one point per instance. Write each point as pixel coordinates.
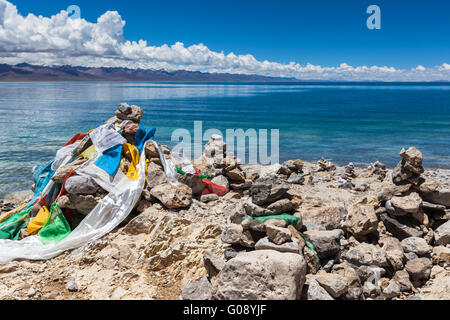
(261, 275)
(173, 197)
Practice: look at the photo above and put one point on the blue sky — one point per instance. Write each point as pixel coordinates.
(325, 32)
(322, 33)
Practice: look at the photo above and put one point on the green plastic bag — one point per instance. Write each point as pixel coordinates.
(10, 229)
(290, 220)
(56, 228)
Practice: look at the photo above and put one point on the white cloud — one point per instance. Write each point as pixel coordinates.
(60, 40)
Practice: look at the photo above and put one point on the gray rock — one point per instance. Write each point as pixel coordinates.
(407, 204)
(335, 284)
(72, 286)
(173, 197)
(296, 179)
(417, 245)
(326, 243)
(440, 197)
(361, 220)
(199, 290)
(193, 181)
(155, 176)
(394, 252)
(371, 290)
(266, 244)
(411, 256)
(231, 234)
(221, 181)
(400, 229)
(392, 290)
(419, 269)
(81, 185)
(213, 263)
(329, 218)
(402, 277)
(266, 191)
(281, 206)
(31, 293)
(366, 254)
(262, 275)
(367, 272)
(278, 235)
(133, 113)
(442, 234)
(209, 198)
(316, 292)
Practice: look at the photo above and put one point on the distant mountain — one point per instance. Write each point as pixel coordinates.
(27, 72)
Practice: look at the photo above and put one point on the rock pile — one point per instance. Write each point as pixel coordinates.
(380, 247)
(222, 230)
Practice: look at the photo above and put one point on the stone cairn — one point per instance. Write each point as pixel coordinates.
(381, 247)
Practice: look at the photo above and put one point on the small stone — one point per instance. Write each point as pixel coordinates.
(316, 292)
(236, 175)
(209, 197)
(334, 284)
(329, 218)
(408, 204)
(31, 293)
(402, 277)
(366, 254)
(442, 234)
(290, 247)
(281, 206)
(199, 290)
(213, 263)
(221, 181)
(419, 269)
(392, 290)
(173, 197)
(417, 245)
(441, 255)
(326, 243)
(278, 235)
(72, 286)
(361, 220)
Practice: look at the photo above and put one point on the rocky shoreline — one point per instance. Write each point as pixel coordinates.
(297, 230)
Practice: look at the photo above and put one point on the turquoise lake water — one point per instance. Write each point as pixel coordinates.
(358, 123)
